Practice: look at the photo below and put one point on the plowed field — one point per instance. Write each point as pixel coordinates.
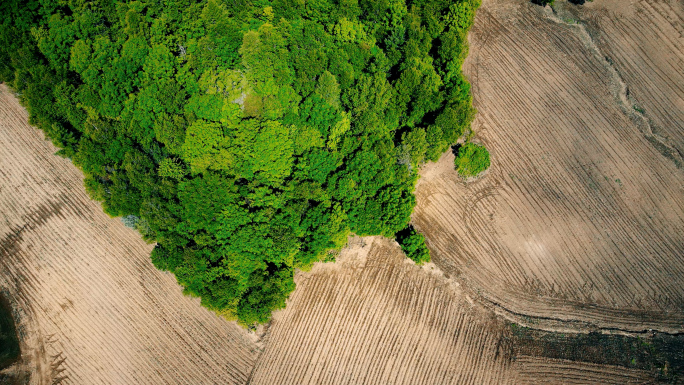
(534, 370)
(373, 318)
(645, 45)
(580, 221)
(92, 307)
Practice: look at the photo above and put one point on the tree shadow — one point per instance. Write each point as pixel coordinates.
(456, 148)
(9, 340)
(543, 3)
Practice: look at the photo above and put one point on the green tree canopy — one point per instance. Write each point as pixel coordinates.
(413, 245)
(471, 160)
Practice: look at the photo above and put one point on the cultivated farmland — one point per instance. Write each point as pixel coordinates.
(644, 44)
(580, 221)
(375, 318)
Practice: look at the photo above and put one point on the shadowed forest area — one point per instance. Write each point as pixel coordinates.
(245, 138)
(9, 341)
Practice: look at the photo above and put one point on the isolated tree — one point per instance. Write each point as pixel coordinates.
(471, 159)
(413, 245)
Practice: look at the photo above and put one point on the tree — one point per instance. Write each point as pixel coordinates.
(203, 143)
(413, 245)
(329, 89)
(171, 168)
(471, 160)
(415, 144)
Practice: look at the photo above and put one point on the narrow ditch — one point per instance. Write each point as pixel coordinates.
(562, 14)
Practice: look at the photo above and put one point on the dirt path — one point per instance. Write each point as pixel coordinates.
(92, 307)
(580, 221)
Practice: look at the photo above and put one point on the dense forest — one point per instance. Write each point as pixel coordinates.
(246, 138)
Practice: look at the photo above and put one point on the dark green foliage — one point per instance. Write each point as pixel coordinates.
(413, 245)
(543, 3)
(9, 342)
(662, 355)
(471, 159)
(248, 138)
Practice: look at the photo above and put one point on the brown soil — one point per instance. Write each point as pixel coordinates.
(580, 222)
(375, 318)
(644, 42)
(92, 308)
(538, 371)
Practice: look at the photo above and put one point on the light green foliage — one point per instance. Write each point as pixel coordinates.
(329, 89)
(305, 138)
(264, 151)
(413, 245)
(171, 168)
(170, 131)
(228, 84)
(338, 130)
(461, 15)
(415, 144)
(471, 160)
(159, 64)
(80, 56)
(250, 138)
(202, 145)
(349, 31)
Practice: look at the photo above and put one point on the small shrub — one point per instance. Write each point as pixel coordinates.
(543, 3)
(471, 160)
(130, 221)
(413, 245)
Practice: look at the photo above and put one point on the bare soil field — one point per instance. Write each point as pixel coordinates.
(374, 318)
(579, 223)
(644, 42)
(91, 308)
